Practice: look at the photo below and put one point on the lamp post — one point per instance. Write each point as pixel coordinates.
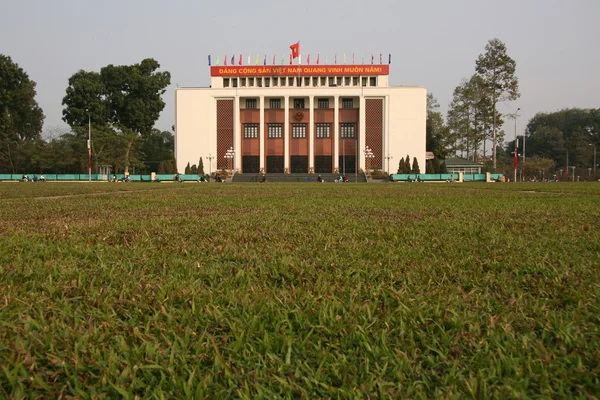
(229, 156)
(573, 172)
(594, 157)
(516, 156)
(89, 147)
(210, 158)
(388, 158)
(368, 156)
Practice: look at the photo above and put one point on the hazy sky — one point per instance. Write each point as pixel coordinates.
(433, 43)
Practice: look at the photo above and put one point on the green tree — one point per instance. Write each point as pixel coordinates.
(127, 98)
(200, 167)
(436, 166)
(187, 170)
(407, 165)
(401, 166)
(415, 166)
(443, 169)
(437, 133)
(21, 118)
(497, 71)
(157, 146)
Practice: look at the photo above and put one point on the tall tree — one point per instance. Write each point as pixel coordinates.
(21, 118)
(437, 133)
(497, 70)
(127, 98)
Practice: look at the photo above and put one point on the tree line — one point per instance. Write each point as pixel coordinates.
(119, 105)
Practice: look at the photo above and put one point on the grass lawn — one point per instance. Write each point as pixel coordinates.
(299, 290)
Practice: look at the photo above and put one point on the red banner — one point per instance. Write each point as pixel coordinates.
(300, 70)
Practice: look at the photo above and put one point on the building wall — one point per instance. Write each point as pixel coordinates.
(403, 127)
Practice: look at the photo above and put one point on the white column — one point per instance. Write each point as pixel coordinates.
(286, 134)
(237, 137)
(261, 132)
(362, 128)
(311, 133)
(335, 132)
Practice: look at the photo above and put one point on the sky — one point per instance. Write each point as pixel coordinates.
(433, 43)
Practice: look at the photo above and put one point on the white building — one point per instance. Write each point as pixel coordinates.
(306, 119)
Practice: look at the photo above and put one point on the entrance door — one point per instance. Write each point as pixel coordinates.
(275, 164)
(250, 164)
(347, 164)
(299, 164)
(323, 164)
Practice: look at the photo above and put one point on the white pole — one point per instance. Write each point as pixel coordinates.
(89, 146)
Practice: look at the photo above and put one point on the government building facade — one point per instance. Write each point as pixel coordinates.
(300, 119)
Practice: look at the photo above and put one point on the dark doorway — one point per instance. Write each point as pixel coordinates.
(250, 164)
(275, 164)
(350, 164)
(323, 164)
(299, 164)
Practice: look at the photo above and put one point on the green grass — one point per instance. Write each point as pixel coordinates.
(299, 290)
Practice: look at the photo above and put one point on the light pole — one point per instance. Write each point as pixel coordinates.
(594, 157)
(210, 158)
(89, 147)
(573, 172)
(388, 158)
(368, 156)
(516, 157)
(229, 157)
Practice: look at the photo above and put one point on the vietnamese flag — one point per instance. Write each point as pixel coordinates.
(295, 50)
(318, 58)
(240, 61)
(308, 60)
(225, 60)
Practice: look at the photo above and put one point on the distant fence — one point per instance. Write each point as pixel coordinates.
(99, 177)
(442, 177)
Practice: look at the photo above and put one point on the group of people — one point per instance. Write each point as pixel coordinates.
(418, 179)
(341, 179)
(25, 178)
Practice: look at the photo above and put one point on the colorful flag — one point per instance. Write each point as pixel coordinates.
(240, 60)
(335, 58)
(318, 58)
(295, 49)
(209, 61)
(344, 58)
(308, 60)
(232, 60)
(282, 59)
(257, 59)
(248, 60)
(380, 58)
(326, 62)
(265, 60)
(225, 60)
(372, 58)
(273, 59)
(390, 59)
(217, 61)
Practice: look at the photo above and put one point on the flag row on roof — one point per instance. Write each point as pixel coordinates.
(295, 54)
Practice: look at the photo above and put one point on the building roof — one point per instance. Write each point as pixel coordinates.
(461, 162)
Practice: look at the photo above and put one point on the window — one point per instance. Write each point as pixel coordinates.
(323, 103)
(291, 81)
(275, 131)
(323, 130)
(339, 81)
(364, 81)
(275, 103)
(331, 81)
(259, 82)
(267, 82)
(373, 81)
(250, 131)
(225, 82)
(346, 130)
(347, 81)
(306, 81)
(315, 81)
(250, 81)
(355, 81)
(347, 103)
(234, 81)
(298, 81)
(323, 81)
(243, 82)
(298, 131)
(283, 81)
(250, 103)
(298, 103)
(275, 81)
